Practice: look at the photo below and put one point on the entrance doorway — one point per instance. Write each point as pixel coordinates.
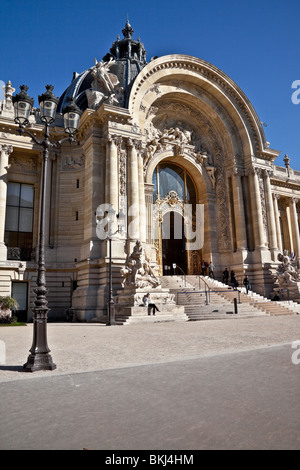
(174, 198)
(174, 254)
(20, 294)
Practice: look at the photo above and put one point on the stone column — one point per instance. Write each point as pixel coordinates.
(133, 192)
(259, 231)
(5, 151)
(277, 221)
(239, 214)
(287, 229)
(142, 202)
(111, 181)
(295, 227)
(270, 214)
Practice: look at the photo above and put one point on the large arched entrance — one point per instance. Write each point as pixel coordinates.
(174, 198)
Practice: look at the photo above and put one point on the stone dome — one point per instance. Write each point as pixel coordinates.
(127, 58)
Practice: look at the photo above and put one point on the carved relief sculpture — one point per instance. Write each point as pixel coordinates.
(175, 139)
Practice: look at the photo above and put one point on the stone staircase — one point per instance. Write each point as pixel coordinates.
(129, 307)
(205, 298)
(202, 298)
(253, 299)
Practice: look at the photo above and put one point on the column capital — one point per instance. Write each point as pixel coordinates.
(113, 138)
(268, 173)
(5, 148)
(257, 171)
(137, 144)
(276, 196)
(252, 171)
(236, 172)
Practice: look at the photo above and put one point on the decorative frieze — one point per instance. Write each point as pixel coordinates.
(22, 163)
(175, 139)
(73, 162)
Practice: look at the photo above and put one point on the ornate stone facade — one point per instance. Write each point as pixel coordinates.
(175, 131)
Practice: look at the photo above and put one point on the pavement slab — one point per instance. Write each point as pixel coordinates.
(189, 386)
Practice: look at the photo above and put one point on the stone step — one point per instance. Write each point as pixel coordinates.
(255, 300)
(135, 314)
(126, 320)
(273, 308)
(191, 303)
(209, 310)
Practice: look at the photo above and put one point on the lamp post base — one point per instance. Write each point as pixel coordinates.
(39, 357)
(37, 362)
(111, 313)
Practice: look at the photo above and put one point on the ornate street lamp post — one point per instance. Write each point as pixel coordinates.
(111, 214)
(40, 359)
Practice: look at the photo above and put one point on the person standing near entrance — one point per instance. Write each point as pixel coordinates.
(225, 276)
(246, 283)
(148, 303)
(211, 268)
(235, 282)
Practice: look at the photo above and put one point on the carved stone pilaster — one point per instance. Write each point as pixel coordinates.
(276, 198)
(239, 212)
(112, 182)
(133, 189)
(225, 237)
(271, 223)
(5, 151)
(295, 226)
(260, 173)
(258, 208)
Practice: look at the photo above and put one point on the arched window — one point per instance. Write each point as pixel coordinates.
(169, 177)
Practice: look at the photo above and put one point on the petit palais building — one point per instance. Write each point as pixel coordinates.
(174, 150)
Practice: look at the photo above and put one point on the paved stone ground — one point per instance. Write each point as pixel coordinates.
(83, 347)
(174, 386)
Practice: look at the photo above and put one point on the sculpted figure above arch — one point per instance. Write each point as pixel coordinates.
(176, 139)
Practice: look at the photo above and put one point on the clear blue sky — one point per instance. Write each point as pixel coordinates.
(255, 42)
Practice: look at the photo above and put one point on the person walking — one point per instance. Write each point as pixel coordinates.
(148, 303)
(211, 270)
(246, 283)
(235, 282)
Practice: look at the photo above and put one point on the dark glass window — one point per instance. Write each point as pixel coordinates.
(167, 177)
(19, 221)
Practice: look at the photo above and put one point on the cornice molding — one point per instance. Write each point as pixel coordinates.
(285, 184)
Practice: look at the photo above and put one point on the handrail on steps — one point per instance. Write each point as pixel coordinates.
(208, 292)
(207, 289)
(183, 274)
(207, 295)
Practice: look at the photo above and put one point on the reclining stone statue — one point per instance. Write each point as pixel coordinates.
(286, 272)
(137, 271)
